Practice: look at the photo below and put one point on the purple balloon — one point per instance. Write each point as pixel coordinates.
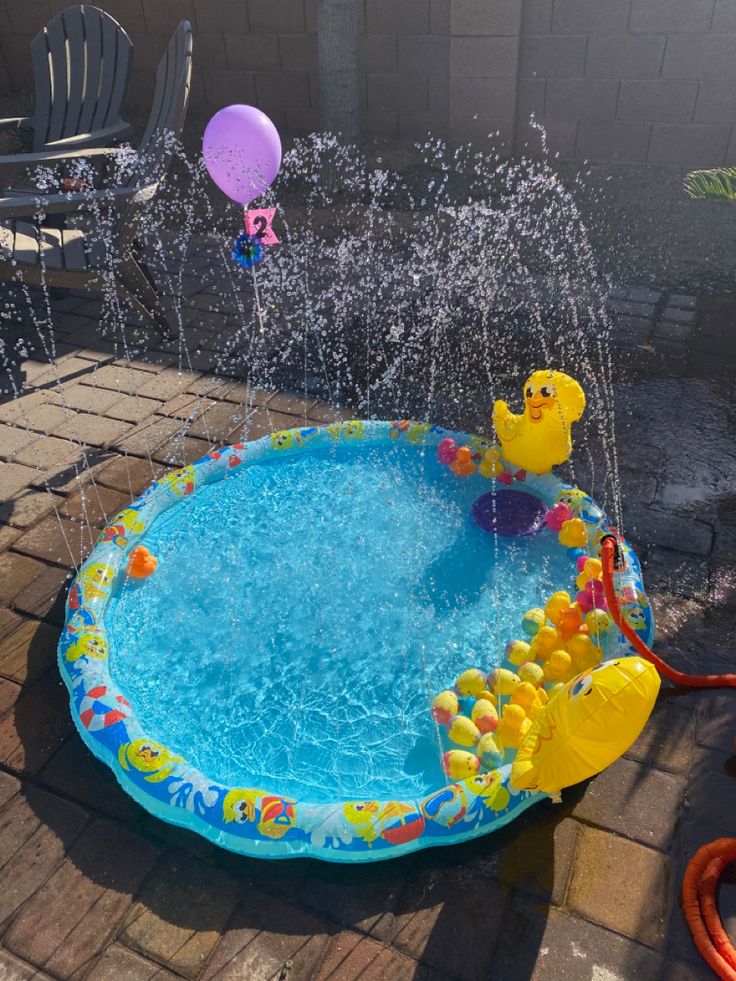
(509, 513)
(242, 152)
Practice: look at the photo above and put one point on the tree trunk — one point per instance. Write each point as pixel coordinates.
(338, 67)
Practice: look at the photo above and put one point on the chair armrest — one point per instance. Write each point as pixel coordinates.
(16, 122)
(98, 138)
(55, 204)
(15, 160)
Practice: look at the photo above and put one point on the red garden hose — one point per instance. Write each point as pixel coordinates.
(610, 557)
(706, 866)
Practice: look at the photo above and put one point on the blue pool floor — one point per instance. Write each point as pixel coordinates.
(306, 610)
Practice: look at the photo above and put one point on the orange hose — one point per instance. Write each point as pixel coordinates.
(609, 554)
(699, 905)
(705, 868)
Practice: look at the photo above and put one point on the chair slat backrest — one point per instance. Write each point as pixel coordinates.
(81, 65)
(169, 109)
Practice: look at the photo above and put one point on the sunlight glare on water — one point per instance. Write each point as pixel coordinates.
(306, 610)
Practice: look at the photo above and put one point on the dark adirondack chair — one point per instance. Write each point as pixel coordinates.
(78, 258)
(81, 66)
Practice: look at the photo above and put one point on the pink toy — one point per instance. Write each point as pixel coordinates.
(592, 597)
(447, 451)
(258, 222)
(557, 516)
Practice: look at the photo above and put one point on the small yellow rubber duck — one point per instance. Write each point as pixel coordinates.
(539, 439)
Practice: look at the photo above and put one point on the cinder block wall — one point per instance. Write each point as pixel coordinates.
(612, 80)
(637, 81)
(445, 66)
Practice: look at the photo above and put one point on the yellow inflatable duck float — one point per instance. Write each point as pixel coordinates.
(539, 439)
(586, 725)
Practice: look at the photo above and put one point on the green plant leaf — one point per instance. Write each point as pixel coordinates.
(718, 183)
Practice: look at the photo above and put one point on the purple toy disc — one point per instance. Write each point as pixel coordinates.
(509, 513)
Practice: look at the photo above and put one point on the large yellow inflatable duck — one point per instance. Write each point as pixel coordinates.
(586, 725)
(539, 439)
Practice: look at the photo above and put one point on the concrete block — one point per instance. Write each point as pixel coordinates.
(439, 93)
(599, 859)
(599, 953)
(210, 51)
(15, 50)
(552, 56)
(148, 51)
(198, 105)
(724, 17)
(607, 141)
(580, 98)
(277, 16)
(481, 17)
(424, 54)
(21, 77)
(392, 93)
(689, 145)
(701, 56)
(676, 316)
(486, 133)
(681, 301)
(390, 17)
(484, 57)
(439, 16)
(251, 52)
(298, 52)
(486, 96)
(661, 100)
(636, 294)
(311, 8)
(628, 310)
(28, 18)
(419, 125)
(380, 124)
(224, 88)
(284, 90)
(557, 139)
(680, 532)
(140, 87)
(162, 18)
(730, 160)
(221, 17)
(5, 25)
(639, 802)
(590, 16)
(625, 56)
(301, 122)
(536, 16)
(530, 93)
(716, 103)
(670, 16)
(378, 54)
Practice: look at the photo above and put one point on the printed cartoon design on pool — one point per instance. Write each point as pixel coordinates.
(256, 820)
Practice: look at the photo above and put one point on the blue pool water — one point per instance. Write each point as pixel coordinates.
(306, 610)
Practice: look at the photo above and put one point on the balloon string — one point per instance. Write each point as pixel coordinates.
(259, 308)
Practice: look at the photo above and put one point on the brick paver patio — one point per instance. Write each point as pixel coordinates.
(91, 886)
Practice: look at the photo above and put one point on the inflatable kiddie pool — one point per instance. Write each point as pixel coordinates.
(269, 686)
